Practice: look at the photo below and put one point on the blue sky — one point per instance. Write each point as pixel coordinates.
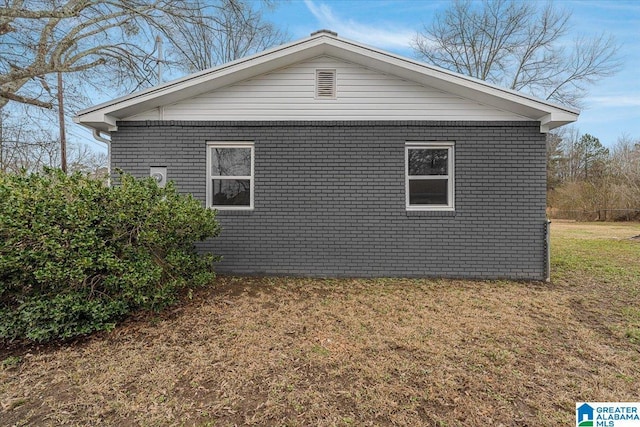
(612, 107)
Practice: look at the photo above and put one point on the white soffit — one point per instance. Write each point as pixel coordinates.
(103, 117)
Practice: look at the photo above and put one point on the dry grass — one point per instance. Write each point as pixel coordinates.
(293, 352)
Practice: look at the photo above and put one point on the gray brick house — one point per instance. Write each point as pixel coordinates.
(325, 157)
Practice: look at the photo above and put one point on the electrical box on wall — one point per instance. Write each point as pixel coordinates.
(159, 173)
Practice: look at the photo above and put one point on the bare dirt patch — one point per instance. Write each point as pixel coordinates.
(298, 352)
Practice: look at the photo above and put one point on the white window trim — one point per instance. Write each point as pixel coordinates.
(450, 176)
(211, 177)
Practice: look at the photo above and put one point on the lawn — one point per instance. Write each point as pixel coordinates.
(300, 352)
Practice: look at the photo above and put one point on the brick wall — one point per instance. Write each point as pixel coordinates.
(330, 196)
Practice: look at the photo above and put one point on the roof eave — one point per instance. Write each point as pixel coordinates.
(208, 80)
(104, 116)
(466, 87)
(97, 121)
(555, 120)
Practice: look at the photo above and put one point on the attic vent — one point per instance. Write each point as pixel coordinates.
(325, 84)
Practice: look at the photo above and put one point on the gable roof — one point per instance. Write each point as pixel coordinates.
(103, 117)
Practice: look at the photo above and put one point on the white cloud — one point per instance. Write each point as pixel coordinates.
(385, 36)
(614, 101)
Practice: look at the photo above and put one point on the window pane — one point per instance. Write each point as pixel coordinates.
(231, 192)
(231, 161)
(428, 192)
(424, 161)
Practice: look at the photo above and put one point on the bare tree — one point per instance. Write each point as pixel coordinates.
(23, 146)
(83, 159)
(233, 30)
(626, 159)
(567, 157)
(518, 45)
(44, 37)
(592, 182)
(30, 143)
(625, 165)
(107, 44)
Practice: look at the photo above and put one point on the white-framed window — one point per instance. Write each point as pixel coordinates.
(429, 176)
(230, 175)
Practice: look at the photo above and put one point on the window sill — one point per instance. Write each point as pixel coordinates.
(233, 212)
(433, 213)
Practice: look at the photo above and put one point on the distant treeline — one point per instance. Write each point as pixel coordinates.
(589, 182)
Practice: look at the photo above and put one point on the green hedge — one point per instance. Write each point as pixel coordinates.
(76, 256)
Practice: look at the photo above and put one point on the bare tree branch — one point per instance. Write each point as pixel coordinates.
(42, 38)
(15, 97)
(235, 30)
(517, 45)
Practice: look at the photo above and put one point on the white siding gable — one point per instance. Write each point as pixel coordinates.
(361, 94)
